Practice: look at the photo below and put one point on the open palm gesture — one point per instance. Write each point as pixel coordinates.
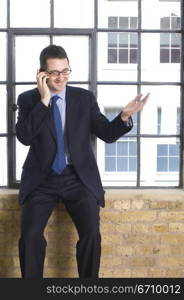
(134, 106)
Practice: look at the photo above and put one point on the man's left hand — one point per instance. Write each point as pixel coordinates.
(134, 106)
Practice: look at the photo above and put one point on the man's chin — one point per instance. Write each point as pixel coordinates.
(57, 87)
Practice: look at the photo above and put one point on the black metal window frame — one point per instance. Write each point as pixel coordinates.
(93, 83)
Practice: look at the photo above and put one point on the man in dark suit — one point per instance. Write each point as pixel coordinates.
(57, 122)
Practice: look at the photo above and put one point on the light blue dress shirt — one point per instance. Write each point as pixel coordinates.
(61, 103)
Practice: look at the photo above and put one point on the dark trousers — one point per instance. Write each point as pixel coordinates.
(84, 211)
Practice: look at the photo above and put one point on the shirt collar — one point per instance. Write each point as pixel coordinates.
(61, 94)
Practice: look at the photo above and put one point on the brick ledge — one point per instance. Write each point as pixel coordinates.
(168, 194)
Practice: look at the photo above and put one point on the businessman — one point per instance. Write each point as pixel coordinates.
(57, 122)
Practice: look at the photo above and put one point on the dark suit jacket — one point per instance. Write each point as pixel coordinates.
(35, 127)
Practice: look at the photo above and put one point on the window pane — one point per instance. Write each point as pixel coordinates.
(164, 55)
(163, 109)
(133, 40)
(175, 23)
(74, 14)
(3, 13)
(21, 153)
(132, 164)
(112, 40)
(3, 110)
(122, 168)
(112, 98)
(80, 67)
(123, 56)
(122, 149)
(134, 129)
(113, 22)
(162, 150)
(164, 39)
(161, 14)
(153, 68)
(174, 164)
(3, 56)
(174, 150)
(3, 161)
(110, 149)
(110, 164)
(27, 52)
(163, 169)
(133, 148)
(123, 40)
(123, 9)
(123, 23)
(112, 56)
(34, 13)
(175, 40)
(133, 22)
(175, 55)
(162, 164)
(125, 162)
(133, 56)
(111, 63)
(122, 164)
(165, 23)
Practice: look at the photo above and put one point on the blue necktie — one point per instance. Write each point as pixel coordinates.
(59, 162)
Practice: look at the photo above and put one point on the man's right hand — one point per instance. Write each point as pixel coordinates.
(43, 88)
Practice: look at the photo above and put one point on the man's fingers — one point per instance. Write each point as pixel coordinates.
(136, 104)
(41, 74)
(41, 78)
(140, 103)
(44, 81)
(138, 98)
(135, 100)
(146, 97)
(144, 100)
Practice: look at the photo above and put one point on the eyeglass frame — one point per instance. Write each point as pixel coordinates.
(59, 72)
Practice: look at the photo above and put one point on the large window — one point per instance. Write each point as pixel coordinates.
(117, 48)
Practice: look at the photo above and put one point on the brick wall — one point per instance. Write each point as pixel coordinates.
(142, 235)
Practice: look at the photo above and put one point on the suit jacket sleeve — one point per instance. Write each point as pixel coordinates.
(30, 119)
(107, 131)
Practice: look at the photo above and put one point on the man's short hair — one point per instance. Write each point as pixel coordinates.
(51, 51)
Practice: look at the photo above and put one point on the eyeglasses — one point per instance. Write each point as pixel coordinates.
(56, 73)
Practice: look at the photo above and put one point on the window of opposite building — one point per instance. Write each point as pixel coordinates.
(117, 49)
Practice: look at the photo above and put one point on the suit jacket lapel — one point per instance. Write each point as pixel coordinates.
(51, 126)
(49, 119)
(71, 108)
